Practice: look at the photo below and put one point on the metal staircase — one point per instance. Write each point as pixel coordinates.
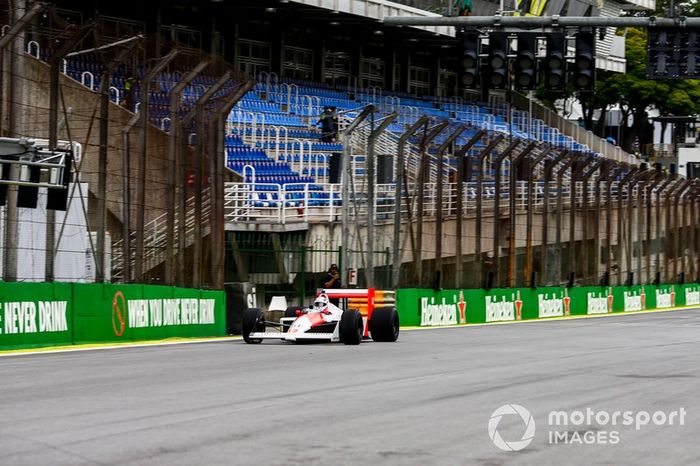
(155, 238)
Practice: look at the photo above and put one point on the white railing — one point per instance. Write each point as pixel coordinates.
(287, 204)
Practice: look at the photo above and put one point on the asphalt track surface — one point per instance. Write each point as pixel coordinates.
(425, 400)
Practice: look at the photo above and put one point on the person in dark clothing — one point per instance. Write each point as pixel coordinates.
(329, 125)
(332, 280)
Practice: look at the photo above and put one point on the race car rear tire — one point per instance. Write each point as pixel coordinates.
(351, 327)
(384, 325)
(253, 321)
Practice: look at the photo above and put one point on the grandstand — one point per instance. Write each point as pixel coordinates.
(206, 162)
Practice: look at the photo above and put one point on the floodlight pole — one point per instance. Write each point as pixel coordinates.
(400, 168)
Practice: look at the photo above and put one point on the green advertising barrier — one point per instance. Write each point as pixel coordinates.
(37, 314)
(51, 314)
(426, 307)
(145, 312)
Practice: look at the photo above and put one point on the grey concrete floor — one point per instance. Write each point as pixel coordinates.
(426, 399)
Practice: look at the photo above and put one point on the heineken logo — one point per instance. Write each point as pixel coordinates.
(598, 303)
(633, 301)
(665, 299)
(498, 311)
(433, 315)
(692, 297)
(551, 306)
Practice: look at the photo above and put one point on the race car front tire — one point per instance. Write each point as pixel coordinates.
(253, 321)
(384, 325)
(351, 327)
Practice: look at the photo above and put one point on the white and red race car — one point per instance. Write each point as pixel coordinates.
(323, 321)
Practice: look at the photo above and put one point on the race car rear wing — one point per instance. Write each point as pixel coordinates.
(363, 299)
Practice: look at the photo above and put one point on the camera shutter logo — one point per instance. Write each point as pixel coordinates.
(527, 419)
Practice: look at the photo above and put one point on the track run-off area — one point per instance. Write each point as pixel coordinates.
(429, 398)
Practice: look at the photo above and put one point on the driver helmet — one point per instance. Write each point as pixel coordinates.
(320, 303)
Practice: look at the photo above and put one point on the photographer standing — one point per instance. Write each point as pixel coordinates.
(332, 280)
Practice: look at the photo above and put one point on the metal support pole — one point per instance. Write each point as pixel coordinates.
(643, 194)
(641, 175)
(548, 176)
(560, 177)
(461, 154)
(199, 112)
(370, 164)
(54, 73)
(177, 196)
(608, 221)
(345, 189)
(677, 227)
(497, 209)
(649, 248)
(217, 162)
(101, 198)
(142, 160)
(662, 188)
(400, 162)
(514, 166)
(576, 172)
(584, 221)
(441, 181)
(528, 275)
(620, 238)
(692, 241)
(592, 271)
(423, 172)
(479, 202)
